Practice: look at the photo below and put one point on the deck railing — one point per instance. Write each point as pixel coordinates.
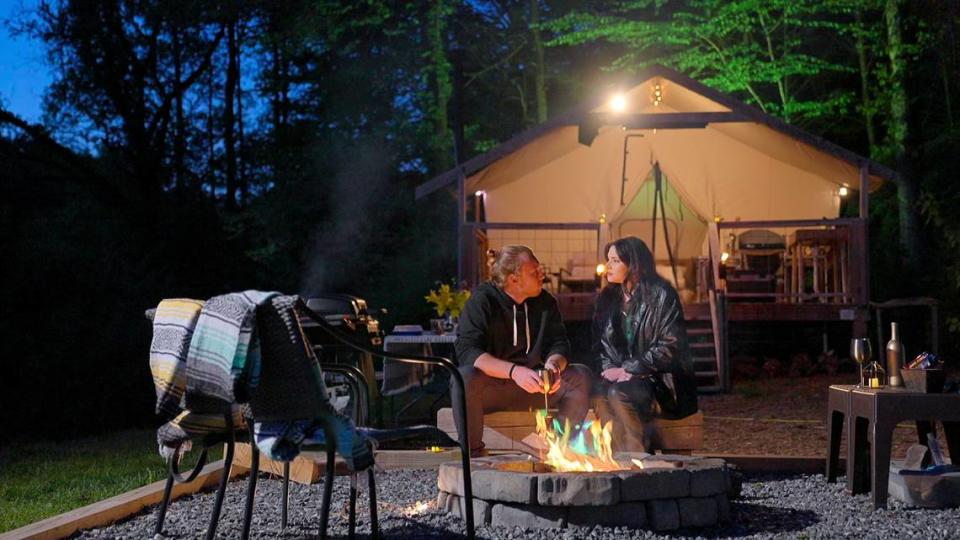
(821, 260)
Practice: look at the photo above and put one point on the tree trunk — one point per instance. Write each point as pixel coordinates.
(211, 141)
(458, 110)
(179, 142)
(230, 86)
(241, 165)
(865, 84)
(540, 73)
(442, 88)
(900, 136)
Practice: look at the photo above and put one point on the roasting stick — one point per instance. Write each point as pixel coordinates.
(545, 379)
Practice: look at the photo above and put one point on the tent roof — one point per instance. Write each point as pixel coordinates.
(686, 103)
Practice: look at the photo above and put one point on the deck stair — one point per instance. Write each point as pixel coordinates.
(706, 361)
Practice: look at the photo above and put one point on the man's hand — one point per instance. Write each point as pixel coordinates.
(555, 365)
(615, 374)
(527, 379)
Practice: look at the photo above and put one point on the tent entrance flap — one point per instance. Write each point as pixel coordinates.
(685, 229)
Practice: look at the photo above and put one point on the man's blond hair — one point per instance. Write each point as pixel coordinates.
(507, 261)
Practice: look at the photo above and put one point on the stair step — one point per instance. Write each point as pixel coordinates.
(699, 331)
(715, 389)
(705, 373)
(701, 345)
(702, 361)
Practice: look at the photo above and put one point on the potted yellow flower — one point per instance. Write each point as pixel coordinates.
(448, 304)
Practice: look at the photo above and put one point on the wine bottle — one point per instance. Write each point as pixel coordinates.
(894, 356)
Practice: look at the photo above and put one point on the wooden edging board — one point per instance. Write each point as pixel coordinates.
(127, 504)
(115, 508)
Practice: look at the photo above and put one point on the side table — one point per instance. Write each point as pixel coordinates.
(838, 409)
(879, 410)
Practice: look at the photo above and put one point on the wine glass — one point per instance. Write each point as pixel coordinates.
(860, 353)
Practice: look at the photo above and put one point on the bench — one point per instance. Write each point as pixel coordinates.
(505, 430)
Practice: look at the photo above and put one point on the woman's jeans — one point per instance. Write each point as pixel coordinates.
(632, 406)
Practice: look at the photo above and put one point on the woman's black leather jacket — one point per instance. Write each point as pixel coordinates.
(658, 349)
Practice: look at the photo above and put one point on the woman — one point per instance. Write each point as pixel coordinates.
(641, 338)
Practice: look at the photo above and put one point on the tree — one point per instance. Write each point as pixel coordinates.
(761, 49)
(901, 135)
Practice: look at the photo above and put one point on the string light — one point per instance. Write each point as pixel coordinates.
(657, 96)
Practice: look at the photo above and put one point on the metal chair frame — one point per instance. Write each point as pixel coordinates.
(361, 407)
(460, 405)
(175, 476)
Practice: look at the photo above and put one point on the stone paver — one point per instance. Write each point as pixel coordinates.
(566, 489)
(505, 487)
(630, 514)
(708, 477)
(663, 514)
(532, 517)
(697, 511)
(654, 484)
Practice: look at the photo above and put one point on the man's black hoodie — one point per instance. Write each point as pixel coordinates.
(491, 322)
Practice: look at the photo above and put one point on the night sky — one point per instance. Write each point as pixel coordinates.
(23, 72)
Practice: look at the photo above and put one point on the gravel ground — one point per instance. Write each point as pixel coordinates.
(772, 506)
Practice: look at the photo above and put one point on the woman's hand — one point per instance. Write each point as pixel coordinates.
(616, 374)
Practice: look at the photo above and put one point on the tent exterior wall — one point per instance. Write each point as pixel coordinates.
(716, 175)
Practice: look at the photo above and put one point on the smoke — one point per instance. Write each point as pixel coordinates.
(338, 247)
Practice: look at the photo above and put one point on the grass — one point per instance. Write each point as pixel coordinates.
(42, 479)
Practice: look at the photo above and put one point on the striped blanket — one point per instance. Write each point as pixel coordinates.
(223, 362)
(173, 327)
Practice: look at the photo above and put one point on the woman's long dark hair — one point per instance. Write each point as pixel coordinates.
(637, 256)
(641, 272)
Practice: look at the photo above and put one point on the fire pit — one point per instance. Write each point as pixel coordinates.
(659, 492)
(579, 482)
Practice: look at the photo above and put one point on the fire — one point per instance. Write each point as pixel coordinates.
(416, 509)
(566, 455)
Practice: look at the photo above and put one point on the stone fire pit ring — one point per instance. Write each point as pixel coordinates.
(671, 492)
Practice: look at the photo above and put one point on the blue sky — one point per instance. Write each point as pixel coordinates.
(23, 72)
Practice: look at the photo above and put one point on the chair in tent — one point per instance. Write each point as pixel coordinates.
(579, 274)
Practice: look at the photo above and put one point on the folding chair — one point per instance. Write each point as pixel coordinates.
(289, 387)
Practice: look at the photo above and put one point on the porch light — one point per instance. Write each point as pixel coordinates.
(478, 193)
(843, 191)
(724, 256)
(601, 269)
(618, 103)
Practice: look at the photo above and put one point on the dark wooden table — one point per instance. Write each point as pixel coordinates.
(838, 409)
(875, 412)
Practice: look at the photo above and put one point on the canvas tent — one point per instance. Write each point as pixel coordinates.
(720, 159)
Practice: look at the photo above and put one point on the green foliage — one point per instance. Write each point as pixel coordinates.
(758, 49)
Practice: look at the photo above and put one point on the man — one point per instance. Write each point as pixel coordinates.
(510, 327)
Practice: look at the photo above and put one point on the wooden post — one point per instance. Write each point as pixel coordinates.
(864, 191)
(864, 259)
